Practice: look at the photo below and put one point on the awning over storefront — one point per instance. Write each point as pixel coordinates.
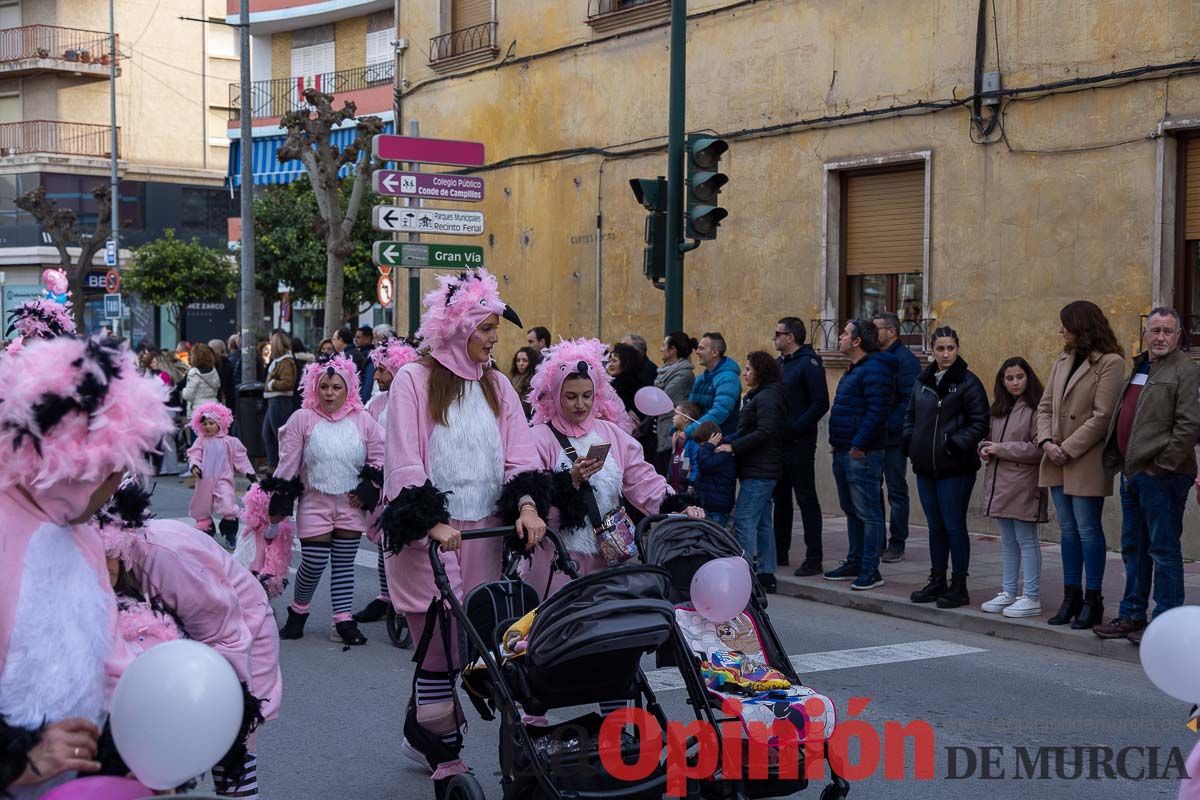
(266, 166)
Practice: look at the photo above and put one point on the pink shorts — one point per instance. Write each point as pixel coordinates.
(410, 575)
(318, 514)
(213, 496)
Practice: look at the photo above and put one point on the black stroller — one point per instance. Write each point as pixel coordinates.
(681, 545)
(584, 646)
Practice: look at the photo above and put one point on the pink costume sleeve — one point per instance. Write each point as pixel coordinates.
(291, 447)
(88, 539)
(195, 453)
(238, 457)
(182, 575)
(372, 435)
(376, 405)
(520, 453)
(404, 448)
(641, 485)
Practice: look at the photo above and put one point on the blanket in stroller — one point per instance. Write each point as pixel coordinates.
(734, 666)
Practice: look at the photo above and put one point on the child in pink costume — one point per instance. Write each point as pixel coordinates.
(334, 448)
(388, 357)
(74, 416)
(265, 547)
(213, 459)
(571, 394)
(466, 465)
(214, 599)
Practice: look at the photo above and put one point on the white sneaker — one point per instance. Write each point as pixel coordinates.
(998, 603)
(1024, 607)
(414, 754)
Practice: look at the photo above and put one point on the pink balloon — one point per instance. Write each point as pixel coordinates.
(721, 588)
(653, 402)
(99, 787)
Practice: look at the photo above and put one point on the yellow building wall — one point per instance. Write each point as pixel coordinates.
(281, 55)
(1017, 228)
(350, 43)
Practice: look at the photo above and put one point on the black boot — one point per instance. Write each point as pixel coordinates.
(1071, 604)
(1092, 612)
(348, 633)
(294, 627)
(933, 590)
(229, 529)
(956, 595)
(373, 611)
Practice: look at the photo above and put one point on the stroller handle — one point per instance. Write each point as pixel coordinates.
(439, 570)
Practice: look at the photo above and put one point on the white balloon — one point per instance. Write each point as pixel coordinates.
(1170, 653)
(176, 712)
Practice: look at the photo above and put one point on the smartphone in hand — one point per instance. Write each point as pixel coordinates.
(599, 452)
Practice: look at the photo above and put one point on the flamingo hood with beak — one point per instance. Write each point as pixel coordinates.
(452, 313)
(310, 383)
(585, 358)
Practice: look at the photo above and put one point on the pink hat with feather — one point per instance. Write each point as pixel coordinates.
(41, 319)
(452, 313)
(585, 358)
(393, 354)
(217, 412)
(76, 410)
(339, 365)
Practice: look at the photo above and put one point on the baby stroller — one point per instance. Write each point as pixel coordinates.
(584, 646)
(681, 545)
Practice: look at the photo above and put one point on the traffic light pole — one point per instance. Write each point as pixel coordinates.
(673, 311)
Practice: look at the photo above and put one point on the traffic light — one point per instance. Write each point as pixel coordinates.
(703, 216)
(652, 194)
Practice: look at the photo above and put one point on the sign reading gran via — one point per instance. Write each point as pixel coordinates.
(398, 254)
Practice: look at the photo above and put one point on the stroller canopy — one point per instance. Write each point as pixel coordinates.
(680, 537)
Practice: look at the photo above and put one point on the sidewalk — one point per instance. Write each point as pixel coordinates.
(905, 577)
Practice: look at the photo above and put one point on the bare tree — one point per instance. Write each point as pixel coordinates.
(62, 226)
(309, 134)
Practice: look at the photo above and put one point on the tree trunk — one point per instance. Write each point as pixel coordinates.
(335, 288)
(75, 279)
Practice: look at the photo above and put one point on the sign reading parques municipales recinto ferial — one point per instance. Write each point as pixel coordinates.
(427, 220)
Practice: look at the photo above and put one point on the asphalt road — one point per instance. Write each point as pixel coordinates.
(340, 729)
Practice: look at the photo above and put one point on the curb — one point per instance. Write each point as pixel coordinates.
(1035, 631)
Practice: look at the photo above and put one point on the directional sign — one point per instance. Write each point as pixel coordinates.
(110, 253)
(427, 220)
(431, 185)
(396, 254)
(427, 151)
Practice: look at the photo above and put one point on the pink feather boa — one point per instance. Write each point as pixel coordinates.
(215, 411)
(269, 560)
(562, 360)
(393, 354)
(142, 627)
(43, 319)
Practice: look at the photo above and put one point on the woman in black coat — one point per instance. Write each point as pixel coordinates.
(758, 448)
(946, 420)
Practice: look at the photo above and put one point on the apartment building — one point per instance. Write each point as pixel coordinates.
(55, 129)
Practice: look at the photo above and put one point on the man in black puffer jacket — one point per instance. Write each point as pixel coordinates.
(947, 418)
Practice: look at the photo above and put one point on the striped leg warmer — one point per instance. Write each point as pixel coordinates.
(341, 582)
(313, 557)
(383, 589)
(248, 787)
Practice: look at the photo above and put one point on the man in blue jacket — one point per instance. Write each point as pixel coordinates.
(808, 401)
(858, 438)
(895, 460)
(718, 389)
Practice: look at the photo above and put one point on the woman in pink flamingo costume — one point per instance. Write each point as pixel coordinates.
(75, 416)
(214, 459)
(459, 457)
(180, 571)
(388, 357)
(330, 454)
(572, 398)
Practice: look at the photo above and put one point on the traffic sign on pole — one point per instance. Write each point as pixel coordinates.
(453, 256)
(388, 147)
(112, 306)
(427, 220)
(110, 253)
(430, 185)
(384, 291)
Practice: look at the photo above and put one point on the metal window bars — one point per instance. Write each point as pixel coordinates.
(277, 96)
(60, 138)
(824, 333)
(73, 45)
(460, 42)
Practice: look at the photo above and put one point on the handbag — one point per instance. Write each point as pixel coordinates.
(615, 532)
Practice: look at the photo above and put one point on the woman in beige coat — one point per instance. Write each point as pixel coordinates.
(1072, 421)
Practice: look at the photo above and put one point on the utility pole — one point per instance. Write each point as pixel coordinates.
(673, 311)
(114, 193)
(246, 304)
(414, 274)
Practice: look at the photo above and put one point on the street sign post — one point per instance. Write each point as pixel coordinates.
(399, 254)
(427, 220)
(112, 306)
(428, 185)
(387, 147)
(110, 253)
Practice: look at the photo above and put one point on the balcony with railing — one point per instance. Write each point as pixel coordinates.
(462, 48)
(55, 138)
(33, 49)
(606, 15)
(824, 333)
(370, 88)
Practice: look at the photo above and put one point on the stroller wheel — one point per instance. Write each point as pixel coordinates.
(834, 792)
(397, 629)
(463, 787)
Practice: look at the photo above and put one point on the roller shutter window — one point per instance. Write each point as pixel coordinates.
(10, 15)
(469, 13)
(1191, 225)
(885, 222)
(10, 108)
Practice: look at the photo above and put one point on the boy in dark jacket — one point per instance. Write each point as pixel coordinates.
(716, 475)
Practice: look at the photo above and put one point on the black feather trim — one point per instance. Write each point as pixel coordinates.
(412, 514)
(284, 495)
(129, 507)
(15, 745)
(538, 484)
(572, 511)
(369, 487)
(674, 503)
(234, 762)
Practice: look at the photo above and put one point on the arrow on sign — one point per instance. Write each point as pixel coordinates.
(428, 220)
